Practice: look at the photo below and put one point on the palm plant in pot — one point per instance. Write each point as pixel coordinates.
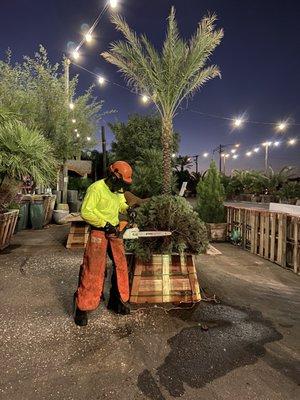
(23, 152)
(210, 207)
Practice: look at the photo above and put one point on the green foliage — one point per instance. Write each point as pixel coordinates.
(290, 190)
(169, 213)
(139, 142)
(140, 132)
(35, 91)
(169, 76)
(80, 184)
(148, 174)
(26, 152)
(255, 182)
(210, 196)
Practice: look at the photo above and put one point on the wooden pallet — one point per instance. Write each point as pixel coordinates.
(165, 279)
(8, 223)
(78, 235)
(274, 236)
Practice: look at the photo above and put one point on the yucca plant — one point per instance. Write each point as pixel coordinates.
(167, 77)
(25, 152)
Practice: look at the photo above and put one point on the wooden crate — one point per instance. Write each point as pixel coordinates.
(165, 279)
(8, 223)
(78, 235)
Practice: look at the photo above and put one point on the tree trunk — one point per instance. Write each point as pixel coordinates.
(167, 134)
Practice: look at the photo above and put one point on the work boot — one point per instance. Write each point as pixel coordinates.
(116, 305)
(80, 317)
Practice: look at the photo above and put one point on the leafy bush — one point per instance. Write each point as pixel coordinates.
(290, 190)
(148, 174)
(25, 152)
(169, 213)
(80, 184)
(210, 197)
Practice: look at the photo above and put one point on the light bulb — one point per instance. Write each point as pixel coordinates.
(249, 153)
(145, 98)
(88, 37)
(71, 105)
(74, 121)
(101, 80)
(75, 55)
(113, 4)
(282, 126)
(88, 139)
(205, 155)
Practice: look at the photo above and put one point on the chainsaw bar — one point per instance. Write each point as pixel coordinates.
(135, 233)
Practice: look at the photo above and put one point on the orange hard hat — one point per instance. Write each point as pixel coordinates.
(123, 169)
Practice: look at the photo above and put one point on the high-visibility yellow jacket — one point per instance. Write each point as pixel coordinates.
(100, 205)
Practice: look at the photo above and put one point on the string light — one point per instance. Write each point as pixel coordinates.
(74, 121)
(238, 122)
(256, 149)
(88, 37)
(292, 141)
(78, 135)
(235, 156)
(75, 130)
(113, 4)
(233, 151)
(282, 126)
(237, 145)
(249, 153)
(205, 155)
(88, 138)
(101, 80)
(75, 55)
(145, 99)
(71, 105)
(173, 155)
(276, 144)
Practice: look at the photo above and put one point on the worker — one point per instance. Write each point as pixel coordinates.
(102, 204)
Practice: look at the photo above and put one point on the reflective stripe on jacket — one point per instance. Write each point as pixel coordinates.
(100, 205)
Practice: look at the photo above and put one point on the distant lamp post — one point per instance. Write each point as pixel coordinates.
(266, 146)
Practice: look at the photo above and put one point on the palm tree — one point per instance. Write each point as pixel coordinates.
(168, 77)
(183, 162)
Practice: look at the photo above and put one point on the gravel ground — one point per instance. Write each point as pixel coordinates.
(245, 347)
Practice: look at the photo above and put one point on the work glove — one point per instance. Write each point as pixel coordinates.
(110, 229)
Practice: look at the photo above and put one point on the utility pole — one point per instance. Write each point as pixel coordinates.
(67, 88)
(196, 157)
(267, 145)
(104, 158)
(220, 149)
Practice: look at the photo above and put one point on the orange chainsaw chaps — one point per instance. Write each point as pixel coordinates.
(93, 273)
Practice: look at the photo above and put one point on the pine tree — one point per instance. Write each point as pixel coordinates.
(210, 197)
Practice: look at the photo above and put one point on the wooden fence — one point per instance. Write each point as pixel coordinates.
(272, 235)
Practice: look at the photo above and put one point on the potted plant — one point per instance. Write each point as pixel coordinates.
(164, 267)
(23, 152)
(210, 207)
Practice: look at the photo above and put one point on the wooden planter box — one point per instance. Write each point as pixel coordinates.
(8, 223)
(217, 232)
(165, 279)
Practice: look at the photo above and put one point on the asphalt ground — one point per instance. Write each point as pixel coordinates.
(244, 345)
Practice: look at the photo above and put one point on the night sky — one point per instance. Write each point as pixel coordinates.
(259, 59)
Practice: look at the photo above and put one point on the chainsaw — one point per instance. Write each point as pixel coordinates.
(129, 232)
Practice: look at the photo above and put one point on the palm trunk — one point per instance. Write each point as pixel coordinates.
(167, 135)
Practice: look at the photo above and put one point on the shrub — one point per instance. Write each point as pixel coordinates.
(210, 197)
(169, 213)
